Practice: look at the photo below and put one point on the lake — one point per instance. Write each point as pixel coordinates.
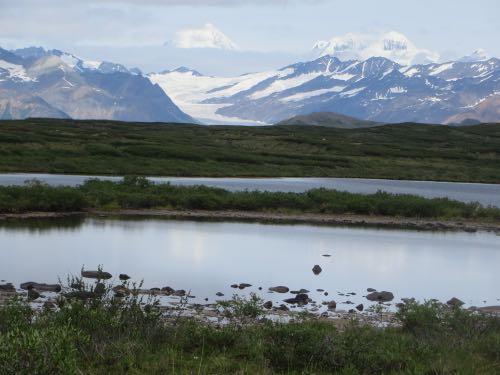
(486, 194)
(207, 257)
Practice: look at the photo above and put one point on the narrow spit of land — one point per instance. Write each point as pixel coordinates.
(139, 196)
(404, 151)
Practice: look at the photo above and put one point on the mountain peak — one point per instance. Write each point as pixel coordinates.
(207, 36)
(183, 69)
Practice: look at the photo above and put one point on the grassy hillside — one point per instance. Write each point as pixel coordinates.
(394, 151)
(329, 119)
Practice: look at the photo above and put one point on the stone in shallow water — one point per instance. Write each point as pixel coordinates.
(380, 296)
(102, 275)
(360, 307)
(33, 294)
(168, 290)
(283, 307)
(317, 269)
(299, 291)
(121, 291)
(219, 294)
(7, 288)
(332, 305)
(268, 305)
(41, 287)
(123, 277)
(279, 289)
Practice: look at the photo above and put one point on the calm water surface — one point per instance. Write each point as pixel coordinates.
(206, 257)
(486, 194)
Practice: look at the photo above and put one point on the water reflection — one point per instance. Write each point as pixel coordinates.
(207, 257)
(39, 225)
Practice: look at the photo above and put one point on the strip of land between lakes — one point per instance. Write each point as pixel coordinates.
(278, 218)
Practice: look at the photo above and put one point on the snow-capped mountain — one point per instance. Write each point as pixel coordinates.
(391, 45)
(375, 89)
(33, 53)
(39, 83)
(207, 36)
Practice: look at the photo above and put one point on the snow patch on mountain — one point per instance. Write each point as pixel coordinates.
(311, 94)
(343, 76)
(351, 93)
(207, 36)
(391, 45)
(397, 90)
(13, 71)
(284, 84)
(441, 68)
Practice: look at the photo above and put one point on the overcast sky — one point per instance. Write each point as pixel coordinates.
(269, 32)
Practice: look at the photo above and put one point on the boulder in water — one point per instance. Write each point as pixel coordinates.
(41, 287)
(279, 289)
(100, 275)
(380, 296)
(317, 269)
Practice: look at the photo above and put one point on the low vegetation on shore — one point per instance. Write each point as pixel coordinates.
(405, 151)
(90, 330)
(140, 193)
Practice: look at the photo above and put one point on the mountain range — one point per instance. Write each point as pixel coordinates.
(39, 83)
(375, 89)
(35, 82)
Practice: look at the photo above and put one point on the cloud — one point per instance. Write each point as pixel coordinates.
(207, 36)
(208, 3)
(392, 45)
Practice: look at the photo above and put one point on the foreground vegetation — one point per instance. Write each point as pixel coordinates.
(101, 334)
(140, 193)
(414, 152)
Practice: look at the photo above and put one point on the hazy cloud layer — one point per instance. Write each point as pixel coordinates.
(220, 3)
(119, 28)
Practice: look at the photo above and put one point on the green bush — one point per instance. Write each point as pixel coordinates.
(139, 193)
(100, 334)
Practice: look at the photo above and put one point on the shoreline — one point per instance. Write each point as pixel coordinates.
(279, 218)
(255, 177)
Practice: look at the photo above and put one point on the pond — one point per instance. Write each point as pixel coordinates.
(207, 257)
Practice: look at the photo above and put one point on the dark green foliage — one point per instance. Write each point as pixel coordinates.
(35, 196)
(406, 151)
(102, 335)
(139, 193)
